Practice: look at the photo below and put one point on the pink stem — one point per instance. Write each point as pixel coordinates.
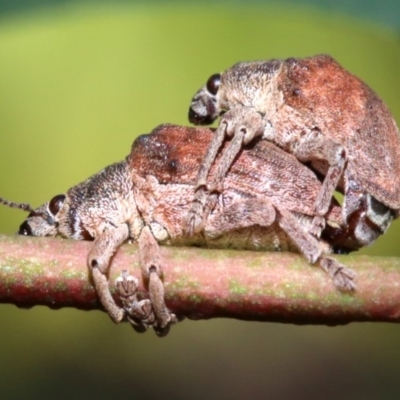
(204, 283)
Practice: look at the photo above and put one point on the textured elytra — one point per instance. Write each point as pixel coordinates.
(315, 109)
(349, 111)
(173, 154)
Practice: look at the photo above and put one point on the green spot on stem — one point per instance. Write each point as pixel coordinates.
(296, 264)
(195, 298)
(184, 282)
(256, 262)
(61, 286)
(236, 288)
(348, 299)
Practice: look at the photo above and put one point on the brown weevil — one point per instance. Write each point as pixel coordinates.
(267, 204)
(326, 117)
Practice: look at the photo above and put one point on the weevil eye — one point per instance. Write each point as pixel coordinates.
(213, 83)
(56, 203)
(25, 229)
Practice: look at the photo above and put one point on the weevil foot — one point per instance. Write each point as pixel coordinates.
(317, 226)
(343, 277)
(139, 312)
(195, 219)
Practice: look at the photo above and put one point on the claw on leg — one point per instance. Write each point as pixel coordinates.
(343, 277)
(147, 312)
(195, 220)
(317, 226)
(139, 312)
(203, 204)
(151, 267)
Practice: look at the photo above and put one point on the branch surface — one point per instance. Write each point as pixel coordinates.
(205, 283)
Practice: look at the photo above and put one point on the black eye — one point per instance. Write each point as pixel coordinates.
(56, 203)
(213, 83)
(25, 229)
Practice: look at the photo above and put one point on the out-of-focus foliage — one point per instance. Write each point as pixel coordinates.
(381, 11)
(77, 84)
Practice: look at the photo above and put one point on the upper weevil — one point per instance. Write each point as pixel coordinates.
(313, 108)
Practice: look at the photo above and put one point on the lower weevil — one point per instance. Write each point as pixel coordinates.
(267, 204)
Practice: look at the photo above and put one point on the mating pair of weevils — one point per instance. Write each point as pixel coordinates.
(300, 129)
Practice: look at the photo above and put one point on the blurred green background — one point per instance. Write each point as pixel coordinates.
(78, 82)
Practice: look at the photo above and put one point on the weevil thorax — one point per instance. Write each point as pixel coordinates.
(248, 84)
(104, 200)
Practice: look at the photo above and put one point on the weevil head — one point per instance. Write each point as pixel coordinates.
(42, 221)
(205, 108)
(247, 84)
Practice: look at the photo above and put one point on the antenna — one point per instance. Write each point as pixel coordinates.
(21, 206)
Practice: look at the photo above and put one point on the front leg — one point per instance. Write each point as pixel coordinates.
(150, 264)
(243, 125)
(99, 258)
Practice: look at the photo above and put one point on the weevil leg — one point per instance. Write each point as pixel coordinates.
(227, 159)
(150, 263)
(194, 220)
(204, 200)
(343, 277)
(318, 147)
(243, 125)
(261, 211)
(103, 291)
(211, 154)
(241, 214)
(99, 258)
(306, 243)
(139, 312)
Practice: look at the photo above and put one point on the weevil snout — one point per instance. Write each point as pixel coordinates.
(200, 118)
(43, 220)
(204, 109)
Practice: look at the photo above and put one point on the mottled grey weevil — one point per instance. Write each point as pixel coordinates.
(325, 116)
(146, 197)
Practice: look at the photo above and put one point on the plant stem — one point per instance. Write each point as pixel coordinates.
(205, 283)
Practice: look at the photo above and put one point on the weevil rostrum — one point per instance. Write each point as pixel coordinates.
(267, 204)
(315, 109)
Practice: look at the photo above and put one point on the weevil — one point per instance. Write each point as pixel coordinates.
(267, 204)
(315, 109)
